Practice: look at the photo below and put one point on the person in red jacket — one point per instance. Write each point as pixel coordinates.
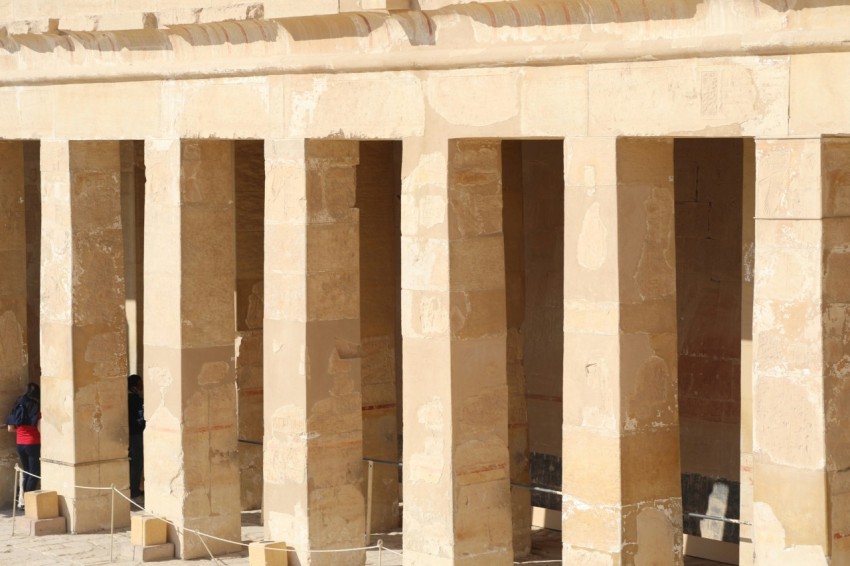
(24, 421)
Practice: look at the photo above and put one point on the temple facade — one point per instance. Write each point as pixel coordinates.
(469, 268)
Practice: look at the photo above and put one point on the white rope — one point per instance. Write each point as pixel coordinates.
(393, 551)
(201, 536)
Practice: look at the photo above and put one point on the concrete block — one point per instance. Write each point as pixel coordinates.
(267, 554)
(41, 527)
(41, 504)
(148, 531)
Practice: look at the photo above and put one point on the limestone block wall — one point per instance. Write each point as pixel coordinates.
(14, 335)
(514, 230)
(32, 198)
(543, 181)
(249, 194)
(378, 197)
(709, 197)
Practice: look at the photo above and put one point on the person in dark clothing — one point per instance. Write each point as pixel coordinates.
(136, 415)
(24, 423)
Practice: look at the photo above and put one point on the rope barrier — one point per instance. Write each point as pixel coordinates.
(183, 530)
(20, 473)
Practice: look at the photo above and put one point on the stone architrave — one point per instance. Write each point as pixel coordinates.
(191, 458)
(457, 501)
(621, 486)
(13, 300)
(83, 334)
(313, 490)
(801, 316)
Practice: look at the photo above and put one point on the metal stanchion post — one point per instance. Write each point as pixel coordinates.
(369, 503)
(112, 523)
(15, 498)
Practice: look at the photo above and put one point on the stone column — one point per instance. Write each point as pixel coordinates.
(622, 493)
(313, 431)
(191, 459)
(83, 334)
(801, 315)
(13, 300)
(456, 469)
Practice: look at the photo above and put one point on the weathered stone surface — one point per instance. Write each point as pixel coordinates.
(83, 334)
(622, 415)
(14, 335)
(799, 431)
(456, 466)
(311, 332)
(191, 461)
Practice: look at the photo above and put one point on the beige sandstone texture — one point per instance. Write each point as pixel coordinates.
(313, 495)
(598, 240)
(14, 336)
(83, 332)
(191, 460)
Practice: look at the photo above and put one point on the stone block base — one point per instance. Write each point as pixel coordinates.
(41, 504)
(148, 531)
(40, 527)
(267, 554)
(150, 553)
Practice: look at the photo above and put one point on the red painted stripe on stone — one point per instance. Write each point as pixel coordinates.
(552, 398)
(377, 407)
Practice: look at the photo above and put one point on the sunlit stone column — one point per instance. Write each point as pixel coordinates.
(191, 460)
(457, 503)
(801, 316)
(313, 432)
(13, 300)
(622, 493)
(83, 334)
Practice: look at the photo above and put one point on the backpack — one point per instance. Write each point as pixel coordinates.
(25, 412)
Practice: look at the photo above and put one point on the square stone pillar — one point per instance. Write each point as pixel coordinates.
(83, 334)
(313, 431)
(457, 502)
(621, 479)
(13, 300)
(191, 459)
(801, 316)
